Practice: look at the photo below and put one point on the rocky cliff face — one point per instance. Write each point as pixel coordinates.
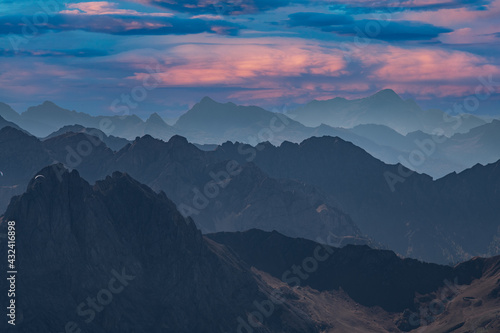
(118, 257)
(305, 190)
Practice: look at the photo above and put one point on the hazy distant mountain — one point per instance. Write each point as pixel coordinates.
(441, 155)
(5, 123)
(44, 119)
(479, 145)
(112, 142)
(120, 240)
(444, 220)
(9, 113)
(422, 218)
(212, 122)
(383, 108)
(248, 198)
(51, 115)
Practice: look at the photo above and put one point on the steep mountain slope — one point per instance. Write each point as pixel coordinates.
(370, 277)
(112, 142)
(383, 108)
(223, 196)
(304, 190)
(8, 113)
(475, 308)
(425, 297)
(150, 268)
(409, 212)
(5, 123)
(21, 156)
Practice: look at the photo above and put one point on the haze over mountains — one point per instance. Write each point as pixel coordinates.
(237, 219)
(383, 108)
(346, 193)
(120, 238)
(429, 142)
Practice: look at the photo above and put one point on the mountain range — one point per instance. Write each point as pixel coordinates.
(423, 149)
(384, 108)
(46, 118)
(322, 186)
(119, 257)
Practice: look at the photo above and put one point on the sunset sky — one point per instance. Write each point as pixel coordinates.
(86, 55)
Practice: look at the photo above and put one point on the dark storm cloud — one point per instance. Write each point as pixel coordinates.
(223, 7)
(116, 25)
(365, 7)
(318, 19)
(79, 53)
(388, 30)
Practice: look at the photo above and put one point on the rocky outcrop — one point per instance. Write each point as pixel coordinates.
(118, 257)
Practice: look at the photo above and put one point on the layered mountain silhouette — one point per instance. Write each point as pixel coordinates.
(5, 123)
(383, 108)
(436, 155)
(147, 268)
(431, 297)
(407, 211)
(210, 122)
(46, 118)
(321, 186)
(112, 142)
(222, 194)
(119, 257)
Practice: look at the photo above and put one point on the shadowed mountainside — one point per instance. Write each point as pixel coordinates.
(76, 239)
(302, 190)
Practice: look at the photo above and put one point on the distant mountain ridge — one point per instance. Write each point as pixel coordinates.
(210, 122)
(46, 118)
(278, 188)
(112, 142)
(5, 123)
(248, 197)
(383, 108)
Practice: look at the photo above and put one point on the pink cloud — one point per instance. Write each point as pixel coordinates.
(104, 8)
(471, 26)
(249, 64)
(454, 16)
(395, 64)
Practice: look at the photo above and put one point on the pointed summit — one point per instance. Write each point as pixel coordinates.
(8, 113)
(155, 118)
(207, 100)
(386, 95)
(50, 178)
(4, 123)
